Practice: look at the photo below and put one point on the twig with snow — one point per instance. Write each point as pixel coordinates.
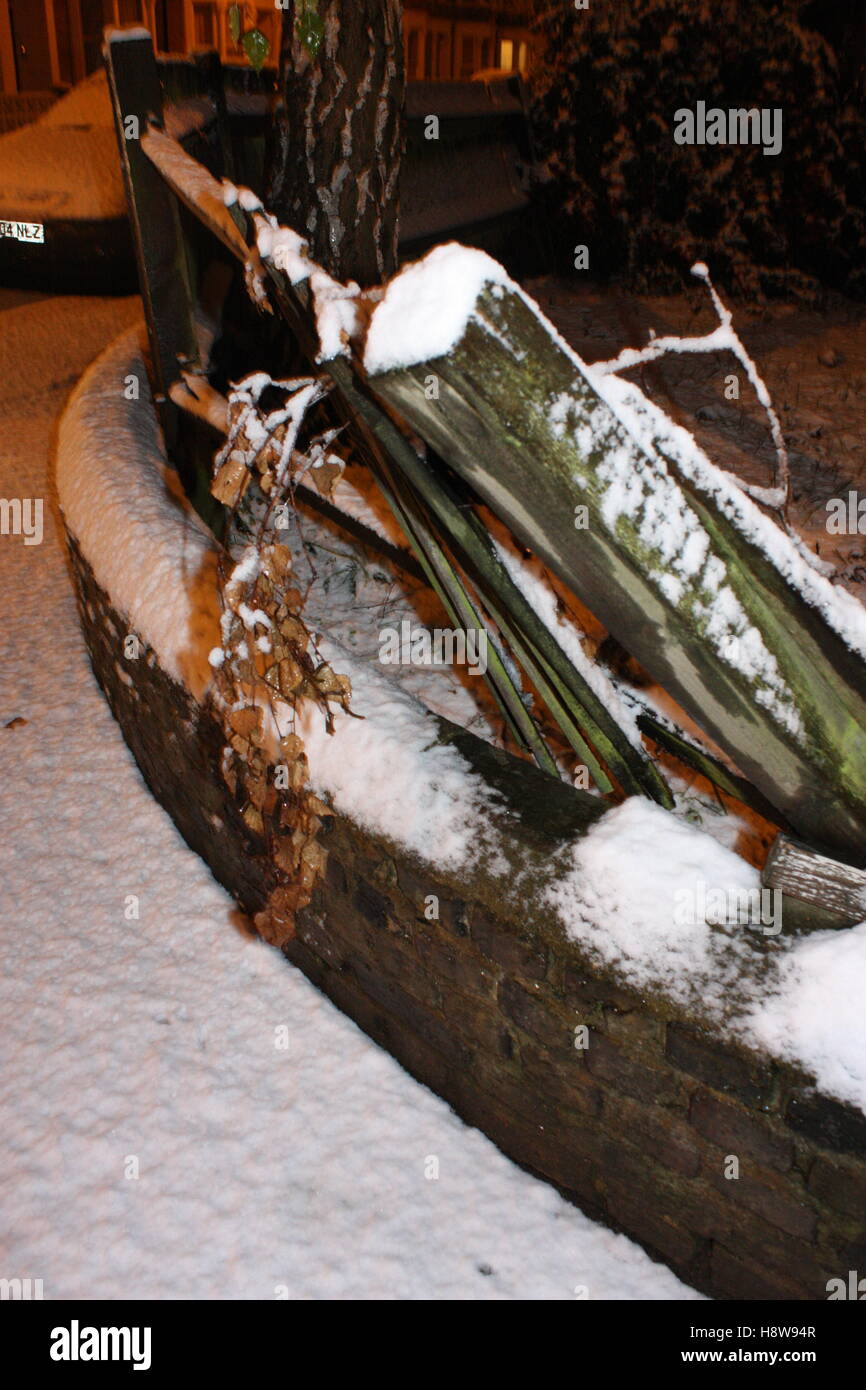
(722, 339)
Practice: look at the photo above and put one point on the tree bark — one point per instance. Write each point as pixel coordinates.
(337, 143)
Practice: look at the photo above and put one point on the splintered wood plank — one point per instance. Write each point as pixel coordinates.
(802, 873)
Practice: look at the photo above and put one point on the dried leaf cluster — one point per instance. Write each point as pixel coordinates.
(268, 661)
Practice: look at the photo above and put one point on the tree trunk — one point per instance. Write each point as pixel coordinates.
(338, 137)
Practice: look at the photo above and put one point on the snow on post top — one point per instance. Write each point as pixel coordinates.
(427, 307)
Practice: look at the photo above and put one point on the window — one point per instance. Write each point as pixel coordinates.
(204, 28)
(467, 58)
(506, 54)
(442, 69)
(428, 57)
(92, 20)
(266, 20)
(64, 40)
(522, 56)
(412, 50)
(486, 53)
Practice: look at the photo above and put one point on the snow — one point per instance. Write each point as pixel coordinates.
(86, 104)
(639, 490)
(805, 1006)
(64, 164)
(384, 773)
(336, 309)
(427, 307)
(284, 247)
(621, 896)
(530, 577)
(818, 1010)
(618, 895)
(101, 502)
(353, 494)
(842, 611)
(55, 171)
(260, 1169)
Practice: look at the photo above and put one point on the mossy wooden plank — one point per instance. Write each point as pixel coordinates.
(788, 704)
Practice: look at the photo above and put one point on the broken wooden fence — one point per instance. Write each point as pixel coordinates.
(525, 425)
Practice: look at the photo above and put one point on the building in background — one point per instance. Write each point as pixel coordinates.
(48, 45)
(454, 42)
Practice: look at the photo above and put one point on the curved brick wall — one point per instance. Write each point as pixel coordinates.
(482, 1006)
(481, 1002)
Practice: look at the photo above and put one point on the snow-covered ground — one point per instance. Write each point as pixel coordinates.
(150, 1044)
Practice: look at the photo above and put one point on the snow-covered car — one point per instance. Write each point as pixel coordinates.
(63, 222)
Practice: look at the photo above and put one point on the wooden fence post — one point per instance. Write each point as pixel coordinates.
(153, 213)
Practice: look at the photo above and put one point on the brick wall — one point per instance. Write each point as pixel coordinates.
(638, 1123)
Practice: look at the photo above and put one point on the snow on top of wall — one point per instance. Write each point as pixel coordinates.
(617, 894)
(427, 306)
(385, 773)
(632, 890)
(814, 1015)
(117, 495)
(629, 892)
